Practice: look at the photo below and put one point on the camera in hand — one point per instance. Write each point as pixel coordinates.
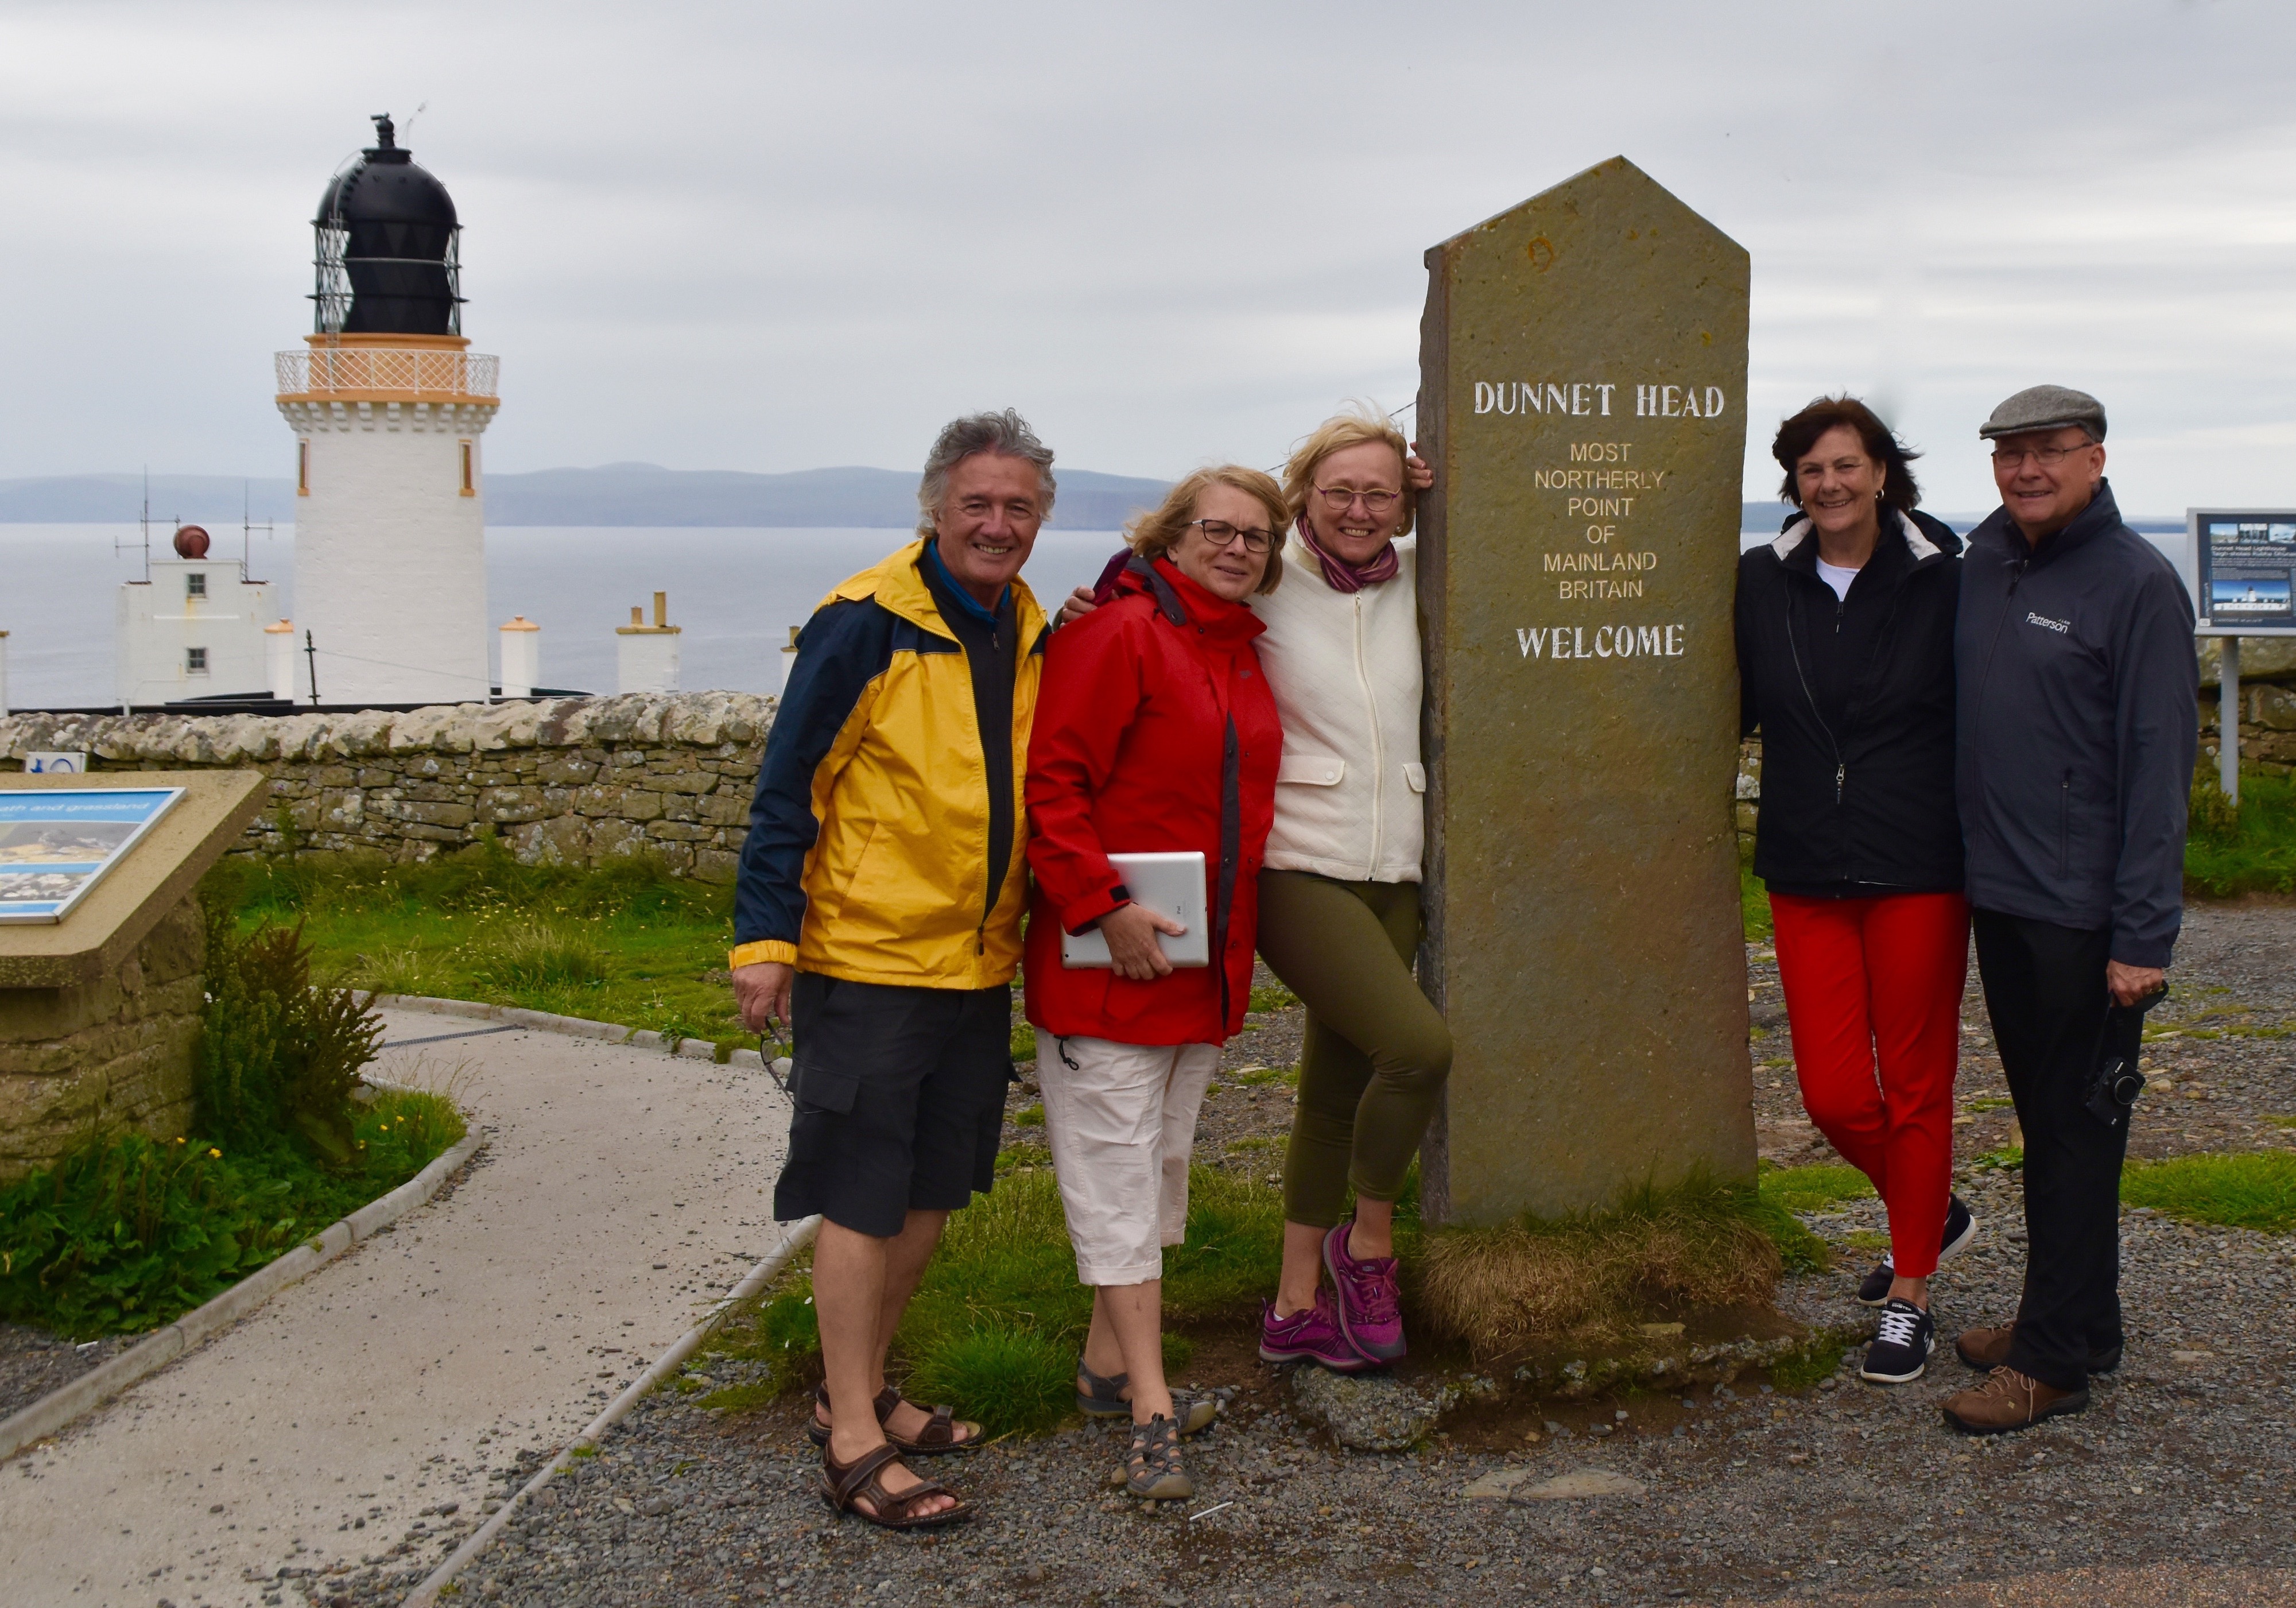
(2113, 1089)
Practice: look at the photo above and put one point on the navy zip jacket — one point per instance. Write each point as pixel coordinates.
(2079, 724)
(1854, 699)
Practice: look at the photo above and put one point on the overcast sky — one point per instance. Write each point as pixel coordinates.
(766, 236)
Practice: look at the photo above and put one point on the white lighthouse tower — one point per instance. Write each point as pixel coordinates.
(388, 404)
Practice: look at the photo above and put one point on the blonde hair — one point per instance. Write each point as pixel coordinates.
(1361, 423)
(1154, 535)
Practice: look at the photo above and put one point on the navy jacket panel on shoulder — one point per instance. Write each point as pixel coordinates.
(845, 647)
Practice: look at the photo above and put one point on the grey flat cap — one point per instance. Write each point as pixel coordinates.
(2046, 407)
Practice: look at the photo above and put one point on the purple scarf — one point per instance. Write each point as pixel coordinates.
(1342, 576)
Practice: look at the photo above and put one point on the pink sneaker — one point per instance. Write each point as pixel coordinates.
(1370, 1305)
(1311, 1334)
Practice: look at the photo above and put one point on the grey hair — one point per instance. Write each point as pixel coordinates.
(1007, 434)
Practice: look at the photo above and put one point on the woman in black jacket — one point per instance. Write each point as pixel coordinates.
(1845, 664)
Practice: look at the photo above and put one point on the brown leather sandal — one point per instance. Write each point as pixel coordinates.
(939, 1435)
(938, 1438)
(845, 1484)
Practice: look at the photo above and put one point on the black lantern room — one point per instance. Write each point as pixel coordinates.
(389, 248)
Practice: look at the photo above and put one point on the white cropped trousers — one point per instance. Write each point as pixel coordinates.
(1121, 1120)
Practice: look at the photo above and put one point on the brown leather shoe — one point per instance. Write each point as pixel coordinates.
(1986, 1349)
(2009, 1401)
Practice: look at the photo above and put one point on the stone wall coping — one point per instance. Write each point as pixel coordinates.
(158, 873)
(576, 1027)
(67, 1404)
(696, 719)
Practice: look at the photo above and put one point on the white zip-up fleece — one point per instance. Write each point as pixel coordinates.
(1344, 667)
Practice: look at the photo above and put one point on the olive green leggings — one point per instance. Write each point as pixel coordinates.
(1376, 1052)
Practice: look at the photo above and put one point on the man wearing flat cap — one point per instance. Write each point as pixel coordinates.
(2077, 684)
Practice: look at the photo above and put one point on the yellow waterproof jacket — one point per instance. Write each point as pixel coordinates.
(868, 855)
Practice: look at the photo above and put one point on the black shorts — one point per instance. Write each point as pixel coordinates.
(900, 1097)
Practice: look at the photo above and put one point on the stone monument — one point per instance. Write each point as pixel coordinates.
(100, 1012)
(1583, 362)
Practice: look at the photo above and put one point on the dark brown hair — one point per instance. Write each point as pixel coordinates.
(1799, 433)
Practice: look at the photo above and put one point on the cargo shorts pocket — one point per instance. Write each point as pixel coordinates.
(816, 1089)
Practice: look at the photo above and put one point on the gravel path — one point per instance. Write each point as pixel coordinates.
(2171, 1488)
(363, 1413)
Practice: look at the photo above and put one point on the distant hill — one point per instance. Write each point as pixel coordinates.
(619, 494)
(645, 494)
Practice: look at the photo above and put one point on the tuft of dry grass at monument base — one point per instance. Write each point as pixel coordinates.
(1518, 1283)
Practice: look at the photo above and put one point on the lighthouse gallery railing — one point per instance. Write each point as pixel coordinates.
(401, 370)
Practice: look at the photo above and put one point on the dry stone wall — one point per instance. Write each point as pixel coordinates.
(569, 781)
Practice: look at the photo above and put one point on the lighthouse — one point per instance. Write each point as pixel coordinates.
(388, 404)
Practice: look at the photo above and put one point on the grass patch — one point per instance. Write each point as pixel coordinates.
(1753, 899)
(1029, 1116)
(1024, 1045)
(1813, 1188)
(2256, 1189)
(1022, 1155)
(127, 1233)
(996, 1326)
(1815, 1360)
(2250, 849)
(1259, 1077)
(1273, 997)
(1988, 1104)
(1700, 1244)
(2009, 1157)
(627, 942)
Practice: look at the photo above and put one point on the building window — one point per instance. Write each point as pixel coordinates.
(470, 480)
(303, 467)
(195, 661)
(195, 584)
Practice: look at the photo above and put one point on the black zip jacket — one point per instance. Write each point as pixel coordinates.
(2078, 725)
(1854, 699)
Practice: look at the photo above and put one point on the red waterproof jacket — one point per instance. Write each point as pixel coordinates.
(1155, 732)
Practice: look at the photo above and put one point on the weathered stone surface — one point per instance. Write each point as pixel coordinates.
(1583, 396)
(1378, 1412)
(1580, 1482)
(671, 775)
(115, 1051)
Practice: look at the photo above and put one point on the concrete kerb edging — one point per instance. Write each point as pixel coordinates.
(574, 1026)
(795, 1239)
(62, 1406)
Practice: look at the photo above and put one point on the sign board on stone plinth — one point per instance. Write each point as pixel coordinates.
(100, 1007)
(1584, 403)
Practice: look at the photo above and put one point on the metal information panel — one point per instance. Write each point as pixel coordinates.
(56, 843)
(2244, 565)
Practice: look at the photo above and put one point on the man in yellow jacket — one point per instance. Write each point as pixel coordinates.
(878, 912)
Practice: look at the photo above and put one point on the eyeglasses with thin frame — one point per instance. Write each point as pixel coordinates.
(1338, 499)
(2047, 457)
(1219, 533)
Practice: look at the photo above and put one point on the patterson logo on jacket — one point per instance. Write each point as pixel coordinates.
(2061, 627)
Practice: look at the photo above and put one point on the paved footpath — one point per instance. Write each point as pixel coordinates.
(622, 1191)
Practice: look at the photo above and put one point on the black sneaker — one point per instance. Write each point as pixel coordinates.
(1960, 1228)
(1900, 1352)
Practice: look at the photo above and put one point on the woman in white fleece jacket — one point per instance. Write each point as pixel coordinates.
(1339, 900)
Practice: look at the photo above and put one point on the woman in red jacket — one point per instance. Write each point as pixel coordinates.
(1155, 732)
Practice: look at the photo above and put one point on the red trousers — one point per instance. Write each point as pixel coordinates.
(1872, 990)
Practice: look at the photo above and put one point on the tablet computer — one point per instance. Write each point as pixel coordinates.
(1169, 885)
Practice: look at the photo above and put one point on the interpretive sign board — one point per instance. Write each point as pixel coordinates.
(1582, 400)
(2243, 571)
(56, 844)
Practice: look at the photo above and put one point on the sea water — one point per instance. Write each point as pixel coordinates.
(736, 592)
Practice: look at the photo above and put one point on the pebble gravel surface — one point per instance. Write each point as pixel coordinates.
(2171, 1488)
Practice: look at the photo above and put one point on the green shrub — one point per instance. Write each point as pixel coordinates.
(127, 1232)
(277, 1059)
(2245, 850)
(2255, 1189)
